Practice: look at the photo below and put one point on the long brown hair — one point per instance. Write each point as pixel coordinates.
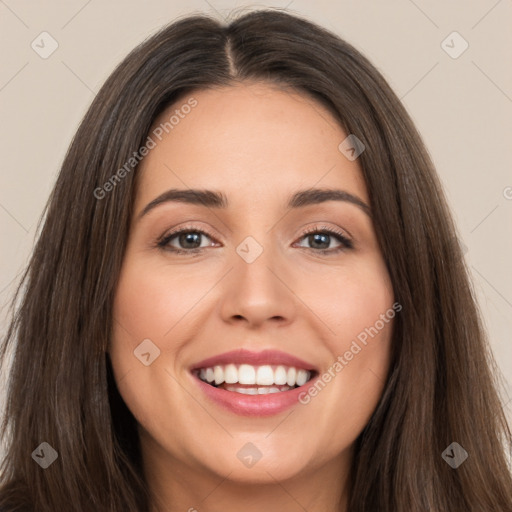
(442, 385)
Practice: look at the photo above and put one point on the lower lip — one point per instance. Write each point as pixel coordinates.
(255, 405)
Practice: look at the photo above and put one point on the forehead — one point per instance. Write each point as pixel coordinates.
(248, 140)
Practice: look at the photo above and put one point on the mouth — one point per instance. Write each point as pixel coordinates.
(247, 379)
(256, 384)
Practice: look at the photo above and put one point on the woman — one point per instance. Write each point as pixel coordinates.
(255, 369)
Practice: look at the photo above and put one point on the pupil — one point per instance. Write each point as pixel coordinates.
(317, 236)
(189, 238)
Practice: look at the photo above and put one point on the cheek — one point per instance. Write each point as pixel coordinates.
(351, 299)
(361, 315)
(154, 302)
(356, 305)
(151, 299)
(146, 307)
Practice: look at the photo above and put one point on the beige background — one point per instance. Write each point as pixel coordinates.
(462, 106)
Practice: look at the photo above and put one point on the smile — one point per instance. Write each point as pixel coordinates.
(254, 380)
(254, 383)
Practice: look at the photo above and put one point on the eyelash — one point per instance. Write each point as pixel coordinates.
(346, 243)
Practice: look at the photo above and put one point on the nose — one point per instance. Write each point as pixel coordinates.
(259, 291)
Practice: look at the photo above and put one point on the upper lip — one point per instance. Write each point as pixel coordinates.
(265, 357)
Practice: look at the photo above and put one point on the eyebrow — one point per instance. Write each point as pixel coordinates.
(214, 199)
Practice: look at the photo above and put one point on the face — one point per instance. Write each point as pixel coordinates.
(282, 302)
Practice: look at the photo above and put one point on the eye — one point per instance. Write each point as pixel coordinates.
(188, 240)
(320, 239)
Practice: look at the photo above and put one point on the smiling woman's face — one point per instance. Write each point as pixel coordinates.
(251, 274)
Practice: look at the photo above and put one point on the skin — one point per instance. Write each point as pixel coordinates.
(258, 144)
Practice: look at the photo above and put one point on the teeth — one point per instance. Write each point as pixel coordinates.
(291, 376)
(231, 374)
(218, 373)
(264, 376)
(302, 377)
(248, 391)
(256, 391)
(247, 374)
(280, 375)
